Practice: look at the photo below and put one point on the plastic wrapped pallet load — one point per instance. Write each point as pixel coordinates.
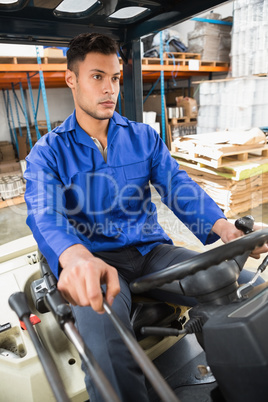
(11, 186)
(249, 54)
(238, 103)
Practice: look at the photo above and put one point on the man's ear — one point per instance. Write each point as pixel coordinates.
(70, 78)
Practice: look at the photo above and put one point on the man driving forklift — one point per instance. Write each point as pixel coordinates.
(90, 209)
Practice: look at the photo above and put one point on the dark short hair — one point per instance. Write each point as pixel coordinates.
(85, 43)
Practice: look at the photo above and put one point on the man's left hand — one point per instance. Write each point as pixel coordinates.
(228, 232)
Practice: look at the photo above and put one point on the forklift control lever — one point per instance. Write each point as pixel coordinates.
(245, 224)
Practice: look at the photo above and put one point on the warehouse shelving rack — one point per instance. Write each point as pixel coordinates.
(54, 72)
(52, 75)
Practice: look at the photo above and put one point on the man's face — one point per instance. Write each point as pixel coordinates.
(96, 86)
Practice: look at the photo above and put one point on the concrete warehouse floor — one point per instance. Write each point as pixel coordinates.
(13, 226)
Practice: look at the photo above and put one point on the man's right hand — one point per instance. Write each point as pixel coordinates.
(82, 276)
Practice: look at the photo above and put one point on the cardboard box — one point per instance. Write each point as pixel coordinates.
(189, 105)
(172, 95)
(7, 152)
(8, 167)
(153, 103)
(22, 147)
(23, 142)
(53, 52)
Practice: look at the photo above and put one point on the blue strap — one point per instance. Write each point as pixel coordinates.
(33, 107)
(151, 90)
(7, 112)
(162, 88)
(16, 107)
(38, 98)
(219, 22)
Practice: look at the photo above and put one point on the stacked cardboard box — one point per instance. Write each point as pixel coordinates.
(212, 41)
(232, 196)
(232, 167)
(7, 152)
(189, 106)
(8, 161)
(9, 167)
(186, 122)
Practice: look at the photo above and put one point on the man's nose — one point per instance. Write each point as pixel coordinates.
(109, 86)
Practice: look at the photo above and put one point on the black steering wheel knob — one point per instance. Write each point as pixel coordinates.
(245, 224)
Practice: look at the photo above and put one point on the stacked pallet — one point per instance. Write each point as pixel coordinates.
(48, 56)
(232, 167)
(191, 60)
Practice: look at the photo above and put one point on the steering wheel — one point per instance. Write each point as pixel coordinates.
(201, 262)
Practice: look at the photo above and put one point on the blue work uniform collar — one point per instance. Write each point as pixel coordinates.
(80, 136)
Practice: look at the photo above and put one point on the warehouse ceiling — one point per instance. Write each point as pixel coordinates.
(55, 22)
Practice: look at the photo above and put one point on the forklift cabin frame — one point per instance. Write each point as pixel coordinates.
(42, 23)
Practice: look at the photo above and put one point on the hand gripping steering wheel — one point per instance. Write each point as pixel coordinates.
(201, 262)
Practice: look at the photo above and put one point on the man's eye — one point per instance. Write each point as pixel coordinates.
(97, 77)
(116, 78)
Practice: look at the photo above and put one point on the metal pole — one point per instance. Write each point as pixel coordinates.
(38, 97)
(7, 112)
(16, 107)
(132, 77)
(150, 371)
(119, 103)
(33, 107)
(13, 123)
(94, 370)
(18, 302)
(43, 88)
(26, 116)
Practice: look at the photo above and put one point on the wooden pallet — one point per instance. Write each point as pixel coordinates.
(219, 156)
(31, 60)
(205, 63)
(182, 55)
(178, 61)
(182, 62)
(236, 170)
(261, 75)
(176, 120)
(12, 201)
(182, 120)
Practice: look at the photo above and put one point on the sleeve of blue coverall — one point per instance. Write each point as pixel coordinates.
(45, 199)
(189, 202)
